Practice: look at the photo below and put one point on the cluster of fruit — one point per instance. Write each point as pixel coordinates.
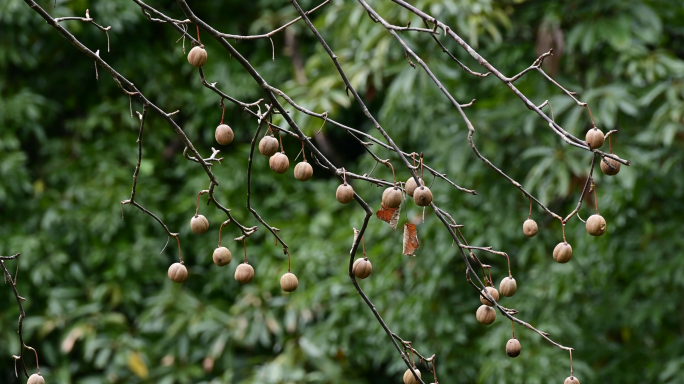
(391, 198)
(244, 273)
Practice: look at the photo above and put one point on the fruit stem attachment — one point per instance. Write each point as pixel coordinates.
(610, 145)
(282, 150)
(421, 165)
(198, 195)
(288, 260)
(223, 111)
(303, 153)
(220, 228)
(34, 351)
(509, 265)
(198, 36)
(244, 243)
(413, 358)
(434, 369)
(394, 178)
(512, 329)
(530, 215)
(563, 226)
(591, 116)
(489, 270)
(595, 199)
(344, 176)
(363, 245)
(571, 373)
(180, 256)
(552, 117)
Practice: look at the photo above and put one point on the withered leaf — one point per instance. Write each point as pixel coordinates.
(389, 215)
(410, 239)
(394, 221)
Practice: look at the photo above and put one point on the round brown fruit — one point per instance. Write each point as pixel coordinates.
(485, 315)
(508, 286)
(562, 253)
(362, 268)
(493, 292)
(409, 378)
(391, 197)
(197, 56)
(222, 256)
(244, 273)
(289, 282)
(224, 134)
(178, 272)
(609, 166)
(571, 380)
(268, 145)
(345, 193)
(36, 378)
(596, 225)
(279, 163)
(513, 348)
(411, 185)
(530, 228)
(199, 224)
(422, 196)
(594, 138)
(303, 171)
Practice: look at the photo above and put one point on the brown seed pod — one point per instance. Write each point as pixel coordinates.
(178, 272)
(345, 193)
(391, 197)
(530, 228)
(244, 273)
(562, 253)
(199, 224)
(485, 315)
(224, 134)
(596, 225)
(409, 378)
(422, 196)
(594, 138)
(303, 171)
(607, 168)
(268, 145)
(197, 56)
(279, 163)
(289, 282)
(513, 348)
(36, 378)
(508, 286)
(222, 256)
(571, 380)
(411, 185)
(362, 268)
(492, 291)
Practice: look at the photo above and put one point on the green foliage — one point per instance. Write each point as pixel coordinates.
(101, 309)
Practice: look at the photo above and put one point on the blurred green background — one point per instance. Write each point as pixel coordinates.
(102, 310)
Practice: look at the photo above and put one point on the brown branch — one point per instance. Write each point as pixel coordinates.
(273, 32)
(22, 315)
(590, 178)
(470, 126)
(567, 137)
(88, 19)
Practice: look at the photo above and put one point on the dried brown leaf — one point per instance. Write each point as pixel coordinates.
(410, 239)
(394, 221)
(387, 215)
